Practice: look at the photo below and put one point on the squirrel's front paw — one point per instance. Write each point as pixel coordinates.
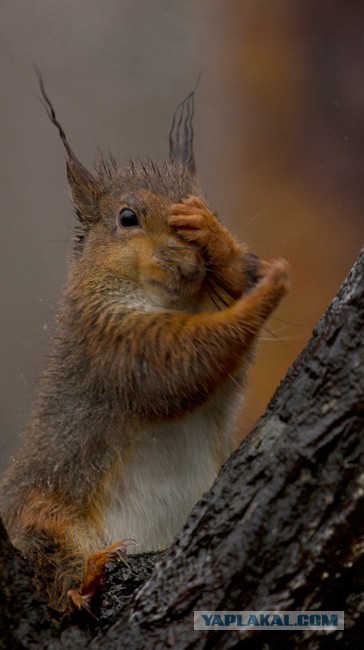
(194, 222)
(275, 275)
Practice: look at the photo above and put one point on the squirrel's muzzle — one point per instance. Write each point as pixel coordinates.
(184, 261)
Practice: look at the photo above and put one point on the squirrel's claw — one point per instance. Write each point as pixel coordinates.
(78, 602)
(94, 579)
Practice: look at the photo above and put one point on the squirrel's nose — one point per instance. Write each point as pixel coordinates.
(190, 267)
(187, 262)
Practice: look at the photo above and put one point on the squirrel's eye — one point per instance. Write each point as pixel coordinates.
(128, 218)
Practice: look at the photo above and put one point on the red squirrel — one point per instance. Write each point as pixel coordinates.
(136, 411)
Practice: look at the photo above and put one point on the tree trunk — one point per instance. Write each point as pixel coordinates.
(279, 530)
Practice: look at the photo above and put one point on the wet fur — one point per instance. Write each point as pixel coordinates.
(136, 411)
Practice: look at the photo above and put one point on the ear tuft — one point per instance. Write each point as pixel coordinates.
(84, 188)
(181, 133)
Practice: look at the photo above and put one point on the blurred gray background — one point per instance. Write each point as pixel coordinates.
(278, 141)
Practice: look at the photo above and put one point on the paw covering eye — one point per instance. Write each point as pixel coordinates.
(128, 218)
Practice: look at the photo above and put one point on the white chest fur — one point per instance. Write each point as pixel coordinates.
(171, 466)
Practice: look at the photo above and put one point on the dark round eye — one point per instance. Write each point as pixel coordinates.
(128, 218)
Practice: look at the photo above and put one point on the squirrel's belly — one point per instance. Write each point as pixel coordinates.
(172, 465)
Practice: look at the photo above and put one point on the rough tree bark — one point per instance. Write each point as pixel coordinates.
(281, 528)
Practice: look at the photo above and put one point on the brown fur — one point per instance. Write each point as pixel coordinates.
(156, 322)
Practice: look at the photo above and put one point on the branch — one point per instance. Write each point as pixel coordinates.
(281, 526)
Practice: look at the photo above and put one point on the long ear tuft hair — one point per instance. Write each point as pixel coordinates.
(181, 133)
(83, 185)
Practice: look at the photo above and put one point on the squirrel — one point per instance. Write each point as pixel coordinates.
(136, 411)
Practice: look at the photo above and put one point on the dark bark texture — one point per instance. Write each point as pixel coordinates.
(281, 529)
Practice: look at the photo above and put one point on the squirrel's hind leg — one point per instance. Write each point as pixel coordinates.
(58, 563)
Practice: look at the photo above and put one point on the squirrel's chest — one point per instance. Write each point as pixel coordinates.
(166, 473)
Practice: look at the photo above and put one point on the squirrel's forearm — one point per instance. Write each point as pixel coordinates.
(230, 266)
(236, 275)
(167, 362)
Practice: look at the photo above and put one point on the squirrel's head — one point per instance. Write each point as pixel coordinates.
(123, 215)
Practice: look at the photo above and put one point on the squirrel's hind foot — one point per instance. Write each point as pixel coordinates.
(93, 582)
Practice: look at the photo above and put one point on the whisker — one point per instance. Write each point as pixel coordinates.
(166, 258)
(168, 263)
(287, 322)
(271, 199)
(226, 304)
(259, 213)
(223, 288)
(214, 272)
(214, 302)
(280, 339)
(180, 248)
(234, 380)
(276, 338)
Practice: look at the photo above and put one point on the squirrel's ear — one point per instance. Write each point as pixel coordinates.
(84, 187)
(181, 134)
